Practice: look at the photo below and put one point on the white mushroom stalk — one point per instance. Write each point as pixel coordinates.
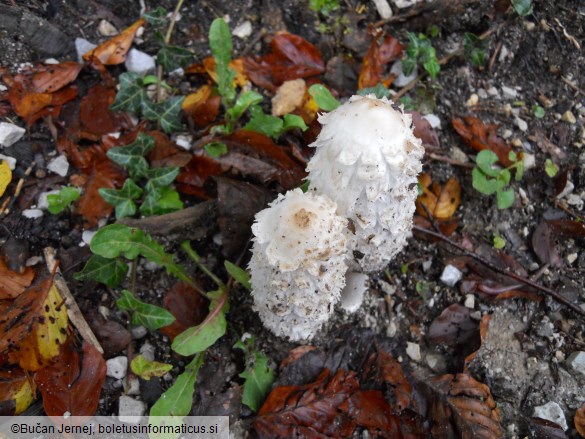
(298, 263)
(367, 161)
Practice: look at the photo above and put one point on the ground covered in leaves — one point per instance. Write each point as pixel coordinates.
(474, 328)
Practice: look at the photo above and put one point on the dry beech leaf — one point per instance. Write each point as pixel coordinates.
(440, 202)
(237, 65)
(423, 130)
(545, 245)
(453, 327)
(13, 284)
(51, 78)
(95, 116)
(114, 50)
(479, 136)
(381, 51)
(16, 392)
(191, 180)
(202, 107)
(370, 410)
(294, 354)
(580, 420)
(187, 306)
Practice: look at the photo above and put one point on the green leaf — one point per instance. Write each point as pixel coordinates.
(379, 90)
(147, 369)
(292, 121)
(408, 103)
(519, 170)
(173, 57)
(110, 272)
(266, 124)
(485, 159)
(505, 198)
(198, 338)
(156, 18)
(323, 97)
(482, 184)
(144, 314)
(408, 65)
(161, 201)
(522, 7)
(131, 94)
(258, 378)
(412, 48)
(305, 186)
(160, 177)
(178, 399)
(324, 6)
(434, 31)
(538, 111)
(240, 275)
(122, 198)
(432, 67)
(132, 156)
(550, 168)
(216, 149)
(245, 100)
(499, 242)
(61, 201)
(119, 240)
(167, 113)
(220, 42)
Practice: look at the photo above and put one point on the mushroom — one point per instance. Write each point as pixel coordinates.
(298, 263)
(367, 161)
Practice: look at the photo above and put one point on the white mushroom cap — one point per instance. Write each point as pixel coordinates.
(298, 263)
(367, 160)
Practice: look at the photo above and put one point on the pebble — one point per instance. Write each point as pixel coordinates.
(10, 133)
(472, 101)
(139, 62)
(130, 410)
(32, 213)
(10, 160)
(243, 30)
(509, 93)
(138, 332)
(493, 91)
(107, 29)
(83, 46)
(436, 362)
(59, 166)
(576, 362)
(529, 161)
(383, 8)
(458, 154)
(434, 120)
(184, 141)
(551, 411)
(401, 80)
(504, 52)
(352, 295)
(451, 275)
(132, 386)
(401, 4)
(572, 258)
(88, 235)
(529, 25)
(469, 301)
(521, 124)
(117, 367)
(413, 351)
(147, 351)
(569, 117)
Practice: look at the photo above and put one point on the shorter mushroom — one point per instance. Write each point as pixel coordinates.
(298, 264)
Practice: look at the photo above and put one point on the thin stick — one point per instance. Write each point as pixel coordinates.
(552, 293)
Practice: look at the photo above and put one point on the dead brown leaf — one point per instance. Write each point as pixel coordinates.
(580, 420)
(13, 284)
(382, 51)
(114, 50)
(453, 327)
(188, 307)
(50, 78)
(440, 202)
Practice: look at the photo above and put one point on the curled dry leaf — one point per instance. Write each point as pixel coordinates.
(479, 136)
(423, 130)
(460, 406)
(202, 107)
(114, 50)
(74, 382)
(13, 284)
(166, 153)
(453, 327)
(16, 392)
(580, 420)
(370, 410)
(237, 65)
(440, 202)
(51, 78)
(483, 332)
(388, 371)
(191, 179)
(381, 52)
(545, 245)
(187, 306)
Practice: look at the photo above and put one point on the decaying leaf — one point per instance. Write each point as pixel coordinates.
(74, 382)
(13, 284)
(192, 178)
(202, 107)
(370, 410)
(440, 202)
(544, 429)
(453, 327)
(95, 116)
(423, 130)
(115, 49)
(479, 136)
(388, 371)
(16, 392)
(580, 420)
(545, 246)
(483, 332)
(381, 51)
(187, 306)
(53, 77)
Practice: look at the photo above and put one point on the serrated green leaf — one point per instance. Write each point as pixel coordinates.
(244, 101)
(380, 91)
(131, 94)
(220, 42)
(323, 97)
(482, 184)
(61, 201)
(266, 124)
(240, 275)
(160, 177)
(550, 168)
(505, 198)
(292, 121)
(522, 7)
(147, 369)
(258, 381)
(167, 113)
(178, 399)
(173, 57)
(156, 18)
(432, 67)
(216, 149)
(144, 314)
(110, 272)
(122, 198)
(161, 201)
(132, 156)
(485, 159)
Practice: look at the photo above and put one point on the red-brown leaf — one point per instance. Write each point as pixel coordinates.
(580, 420)
(454, 326)
(12, 284)
(188, 307)
(51, 78)
(479, 136)
(115, 49)
(166, 153)
(380, 53)
(95, 115)
(74, 383)
(370, 410)
(545, 246)
(391, 373)
(192, 178)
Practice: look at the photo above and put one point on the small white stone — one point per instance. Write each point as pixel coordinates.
(569, 117)
(509, 93)
(42, 202)
(178, 16)
(436, 362)
(51, 61)
(434, 120)
(401, 80)
(139, 62)
(87, 236)
(575, 200)
(32, 213)
(472, 101)
(147, 351)
(104, 311)
(503, 53)
(529, 25)
(476, 315)
(469, 301)
(116, 367)
(576, 362)
(383, 8)
(451, 275)
(3, 87)
(10, 133)
(184, 141)
(401, 4)
(33, 260)
(82, 46)
(132, 386)
(413, 351)
(10, 160)
(572, 258)
(138, 332)
(59, 166)
(529, 161)
(458, 154)
(243, 30)
(130, 410)
(493, 91)
(521, 124)
(507, 133)
(426, 265)
(551, 411)
(352, 295)
(107, 29)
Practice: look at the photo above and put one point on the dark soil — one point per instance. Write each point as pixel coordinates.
(539, 58)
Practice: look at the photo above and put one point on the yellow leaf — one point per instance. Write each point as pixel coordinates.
(16, 391)
(5, 176)
(49, 332)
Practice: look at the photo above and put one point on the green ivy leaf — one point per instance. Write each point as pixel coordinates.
(122, 198)
(240, 275)
(161, 201)
(132, 156)
(220, 42)
(258, 375)
(245, 100)
(408, 65)
(144, 314)
(173, 57)
(216, 149)
(147, 369)
(505, 198)
(167, 113)
(61, 201)
(380, 91)
(156, 18)
(131, 95)
(522, 7)
(110, 272)
(160, 177)
(323, 97)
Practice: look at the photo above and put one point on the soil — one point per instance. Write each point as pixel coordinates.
(535, 60)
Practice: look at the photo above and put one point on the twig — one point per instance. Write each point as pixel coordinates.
(451, 161)
(7, 205)
(547, 291)
(159, 70)
(73, 311)
(572, 85)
